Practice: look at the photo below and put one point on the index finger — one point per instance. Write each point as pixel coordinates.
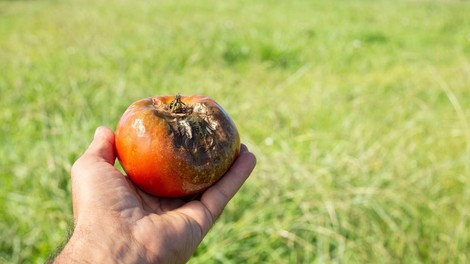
(217, 197)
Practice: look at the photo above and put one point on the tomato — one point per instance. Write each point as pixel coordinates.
(174, 146)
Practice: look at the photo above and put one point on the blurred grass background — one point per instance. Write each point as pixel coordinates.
(358, 112)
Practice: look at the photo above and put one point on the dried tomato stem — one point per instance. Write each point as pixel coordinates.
(177, 106)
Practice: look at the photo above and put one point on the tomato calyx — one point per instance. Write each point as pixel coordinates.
(193, 128)
(178, 107)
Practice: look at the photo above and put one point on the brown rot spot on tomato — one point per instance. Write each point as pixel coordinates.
(193, 128)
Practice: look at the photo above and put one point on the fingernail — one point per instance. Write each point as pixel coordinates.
(97, 132)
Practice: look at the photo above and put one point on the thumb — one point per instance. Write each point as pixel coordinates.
(95, 165)
(102, 146)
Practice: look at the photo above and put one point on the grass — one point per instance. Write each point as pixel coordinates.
(358, 112)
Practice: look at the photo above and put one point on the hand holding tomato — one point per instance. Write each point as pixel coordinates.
(118, 223)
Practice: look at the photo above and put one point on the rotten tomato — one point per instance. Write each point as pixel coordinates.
(174, 146)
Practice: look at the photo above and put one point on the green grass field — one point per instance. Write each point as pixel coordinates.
(358, 112)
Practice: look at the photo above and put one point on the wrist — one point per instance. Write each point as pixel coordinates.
(95, 246)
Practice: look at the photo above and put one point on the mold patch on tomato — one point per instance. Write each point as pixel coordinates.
(139, 127)
(193, 129)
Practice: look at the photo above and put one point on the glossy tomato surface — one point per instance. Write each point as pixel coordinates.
(174, 146)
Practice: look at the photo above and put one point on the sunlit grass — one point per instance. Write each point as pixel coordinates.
(358, 112)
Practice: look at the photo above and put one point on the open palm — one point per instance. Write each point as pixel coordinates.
(118, 219)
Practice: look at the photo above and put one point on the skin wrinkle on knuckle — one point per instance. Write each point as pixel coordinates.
(216, 206)
(211, 221)
(194, 227)
(225, 197)
(200, 230)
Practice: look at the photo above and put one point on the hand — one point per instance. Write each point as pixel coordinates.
(117, 222)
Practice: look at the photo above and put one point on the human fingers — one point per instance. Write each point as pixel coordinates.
(216, 197)
(102, 146)
(93, 167)
(97, 159)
